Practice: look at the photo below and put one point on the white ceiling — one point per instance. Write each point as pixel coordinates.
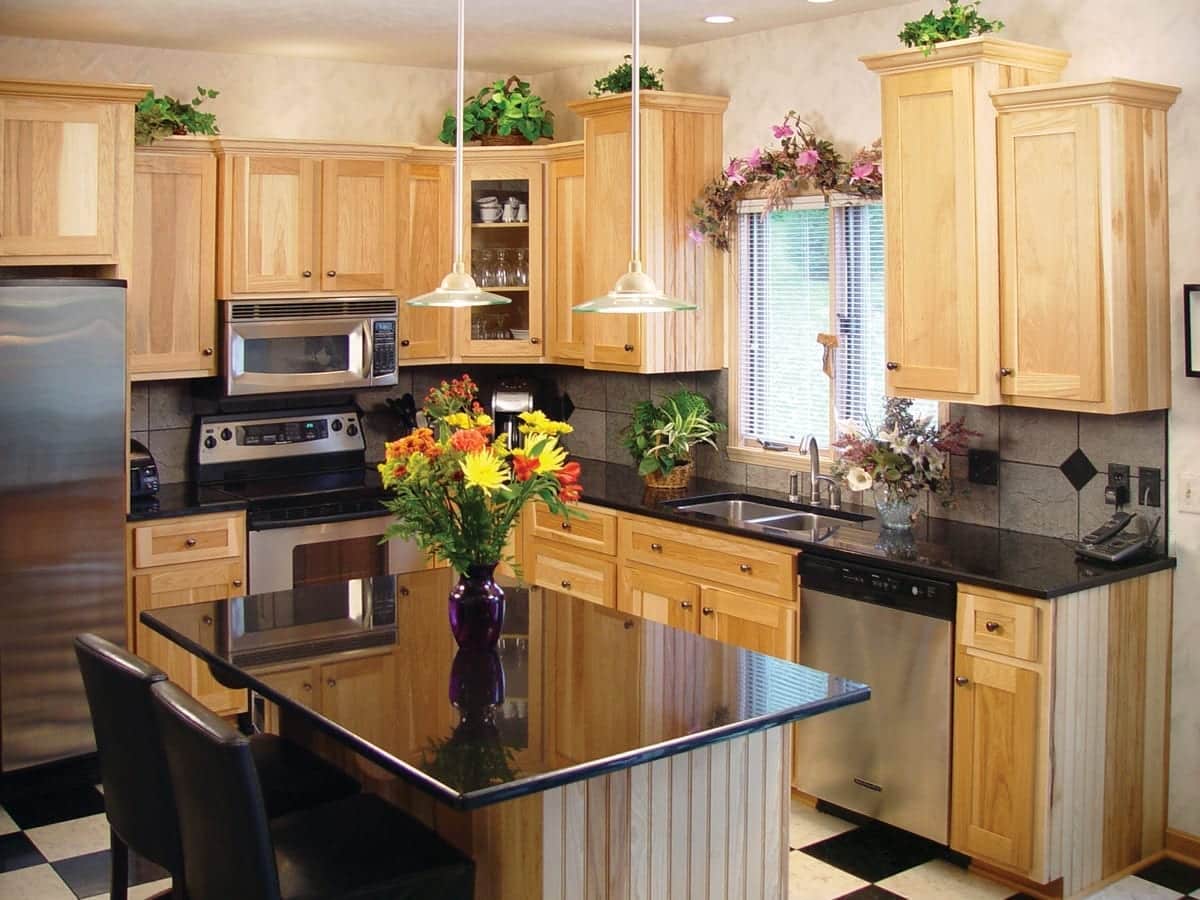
(528, 36)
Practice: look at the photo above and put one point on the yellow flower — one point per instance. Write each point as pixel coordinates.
(484, 470)
(537, 422)
(545, 449)
(483, 420)
(458, 420)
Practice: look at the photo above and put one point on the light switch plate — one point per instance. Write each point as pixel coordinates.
(1189, 493)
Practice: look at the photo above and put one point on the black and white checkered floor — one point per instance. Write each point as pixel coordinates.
(54, 846)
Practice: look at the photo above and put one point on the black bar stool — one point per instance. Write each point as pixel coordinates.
(138, 798)
(360, 847)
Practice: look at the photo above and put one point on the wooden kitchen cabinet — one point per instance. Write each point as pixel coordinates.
(566, 250)
(1085, 320)
(358, 224)
(660, 596)
(425, 256)
(681, 150)
(939, 164)
(569, 571)
(354, 690)
(67, 174)
(171, 309)
(157, 579)
(758, 624)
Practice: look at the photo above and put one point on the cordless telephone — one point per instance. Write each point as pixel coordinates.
(1116, 541)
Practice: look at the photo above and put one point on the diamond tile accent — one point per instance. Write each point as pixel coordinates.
(1078, 469)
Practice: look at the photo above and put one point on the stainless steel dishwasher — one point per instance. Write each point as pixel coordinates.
(888, 758)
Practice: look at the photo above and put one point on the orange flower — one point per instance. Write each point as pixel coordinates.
(468, 440)
(524, 466)
(569, 488)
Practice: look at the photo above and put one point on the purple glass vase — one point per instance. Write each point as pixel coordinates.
(477, 608)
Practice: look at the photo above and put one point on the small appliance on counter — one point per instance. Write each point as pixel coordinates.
(143, 473)
(512, 397)
(1124, 538)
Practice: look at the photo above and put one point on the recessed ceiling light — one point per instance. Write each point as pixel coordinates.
(719, 20)
(820, 1)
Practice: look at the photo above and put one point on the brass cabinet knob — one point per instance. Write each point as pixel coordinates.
(331, 683)
(307, 273)
(893, 366)
(404, 592)
(744, 567)
(1004, 373)
(306, 686)
(707, 610)
(190, 542)
(207, 620)
(405, 343)
(207, 351)
(657, 548)
(237, 582)
(566, 585)
(960, 680)
(685, 604)
(993, 627)
(331, 273)
(566, 526)
(629, 348)
(535, 340)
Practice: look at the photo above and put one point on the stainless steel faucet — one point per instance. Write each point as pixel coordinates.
(815, 478)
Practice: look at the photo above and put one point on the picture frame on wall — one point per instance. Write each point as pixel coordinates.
(1191, 329)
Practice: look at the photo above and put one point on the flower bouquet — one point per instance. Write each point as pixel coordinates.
(457, 488)
(900, 459)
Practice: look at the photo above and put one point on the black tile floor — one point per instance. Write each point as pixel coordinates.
(54, 846)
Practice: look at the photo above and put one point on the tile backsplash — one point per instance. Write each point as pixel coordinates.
(1033, 494)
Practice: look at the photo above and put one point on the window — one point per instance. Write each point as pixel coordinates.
(804, 272)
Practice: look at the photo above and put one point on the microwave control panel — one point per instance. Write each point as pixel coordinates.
(383, 354)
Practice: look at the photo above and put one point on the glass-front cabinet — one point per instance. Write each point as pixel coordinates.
(504, 227)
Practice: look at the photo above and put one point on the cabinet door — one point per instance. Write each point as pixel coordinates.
(929, 218)
(610, 341)
(660, 597)
(995, 740)
(274, 219)
(360, 695)
(1051, 299)
(425, 258)
(301, 685)
(761, 625)
(358, 224)
(171, 306)
(176, 586)
(565, 252)
(569, 571)
(506, 259)
(58, 177)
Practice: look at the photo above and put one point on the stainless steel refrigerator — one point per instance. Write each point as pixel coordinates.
(63, 482)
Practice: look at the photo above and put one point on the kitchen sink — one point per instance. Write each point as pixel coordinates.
(731, 510)
(738, 509)
(795, 522)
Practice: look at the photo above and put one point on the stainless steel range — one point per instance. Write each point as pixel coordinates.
(315, 515)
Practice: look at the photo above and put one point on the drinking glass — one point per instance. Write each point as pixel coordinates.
(487, 268)
(504, 269)
(521, 269)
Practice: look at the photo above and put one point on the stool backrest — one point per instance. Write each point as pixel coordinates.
(227, 849)
(138, 797)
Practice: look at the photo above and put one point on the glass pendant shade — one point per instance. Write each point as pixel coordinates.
(634, 292)
(458, 291)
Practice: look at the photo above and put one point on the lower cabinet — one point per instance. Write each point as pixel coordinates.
(157, 580)
(575, 572)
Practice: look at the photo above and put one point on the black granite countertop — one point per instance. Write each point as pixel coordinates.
(575, 689)
(990, 557)
(184, 499)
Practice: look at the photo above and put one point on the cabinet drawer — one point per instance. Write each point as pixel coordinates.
(1007, 627)
(571, 572)
(705, 555)
(187, 540)
(598, 532)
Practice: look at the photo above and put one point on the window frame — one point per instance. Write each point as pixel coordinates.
(737, 447)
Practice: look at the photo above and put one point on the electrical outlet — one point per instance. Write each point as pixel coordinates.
(1116, 492)
(983, 467)
(1189, 493)
(1149, 486)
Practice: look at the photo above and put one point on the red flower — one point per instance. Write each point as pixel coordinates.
(525, 466)
(569, 488)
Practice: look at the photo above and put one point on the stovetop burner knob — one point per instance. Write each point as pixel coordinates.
(352, 430)
(226, 434)
(210, 442)
(337, 425)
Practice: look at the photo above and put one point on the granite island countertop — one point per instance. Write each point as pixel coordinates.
(1021, 563)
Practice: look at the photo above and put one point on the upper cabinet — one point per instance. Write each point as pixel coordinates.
(66, 172)
(939, 165)
(681, 150)
(566, 248)
(171, 310)
(1085, 318)
(425, 256)
(306, 222)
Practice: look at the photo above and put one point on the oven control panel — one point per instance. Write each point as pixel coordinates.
(228, 439)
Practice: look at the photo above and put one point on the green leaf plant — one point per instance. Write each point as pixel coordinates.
(661, 436)
(957, 21)
(501, 108)
(158, 117)
(618, 81)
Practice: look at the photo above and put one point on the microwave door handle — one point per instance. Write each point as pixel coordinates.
(367, 351)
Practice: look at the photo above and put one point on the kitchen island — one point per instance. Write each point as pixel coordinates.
(595, 753)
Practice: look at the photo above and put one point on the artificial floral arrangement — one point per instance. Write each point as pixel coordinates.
(661, 436)
(503, 112)
(456, 491)
(957, 21)
(901, 458)
(157, 117)
(620, 79)
(802, 160)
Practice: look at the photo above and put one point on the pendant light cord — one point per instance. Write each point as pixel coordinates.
(635, 84)
(458, 139)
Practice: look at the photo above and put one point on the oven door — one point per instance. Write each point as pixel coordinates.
(329, 553)
(273, 356)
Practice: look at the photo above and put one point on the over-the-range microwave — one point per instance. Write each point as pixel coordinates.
(330, 343)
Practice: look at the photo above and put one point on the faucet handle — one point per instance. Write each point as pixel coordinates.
(793, 487)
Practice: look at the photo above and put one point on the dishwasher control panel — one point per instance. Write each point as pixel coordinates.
(885, 587)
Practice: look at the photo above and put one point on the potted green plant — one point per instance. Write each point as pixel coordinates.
(620, 79)
(661, 437)
(158, 117)
(503, 112)
(957, 21)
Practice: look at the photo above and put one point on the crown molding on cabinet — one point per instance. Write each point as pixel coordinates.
(74, 90)
(989, 49)
(1115, 90)
(669, 100)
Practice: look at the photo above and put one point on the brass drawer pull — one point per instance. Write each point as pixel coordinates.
(566, 526)
(744, 567)
(406, 343)
(992, 627)
(657, 548)
(306, 686)
(237, 582)
(629, 348)
(404, 592)
(893, 366)
(707, 610)
(208, 351)
(332, 273)
(331, 683)
(307, 273)
(207, 620)
(566, 584)
(960, 680)
(1004, 373)
(190, 542)
(686, 604)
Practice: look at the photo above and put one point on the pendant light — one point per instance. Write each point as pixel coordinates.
(458, 289)
(635, 291)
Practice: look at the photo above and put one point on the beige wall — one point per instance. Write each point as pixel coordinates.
(263, 96)
(814, 69)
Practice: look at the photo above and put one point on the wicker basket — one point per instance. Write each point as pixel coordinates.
(676, 478)
(504, 140)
